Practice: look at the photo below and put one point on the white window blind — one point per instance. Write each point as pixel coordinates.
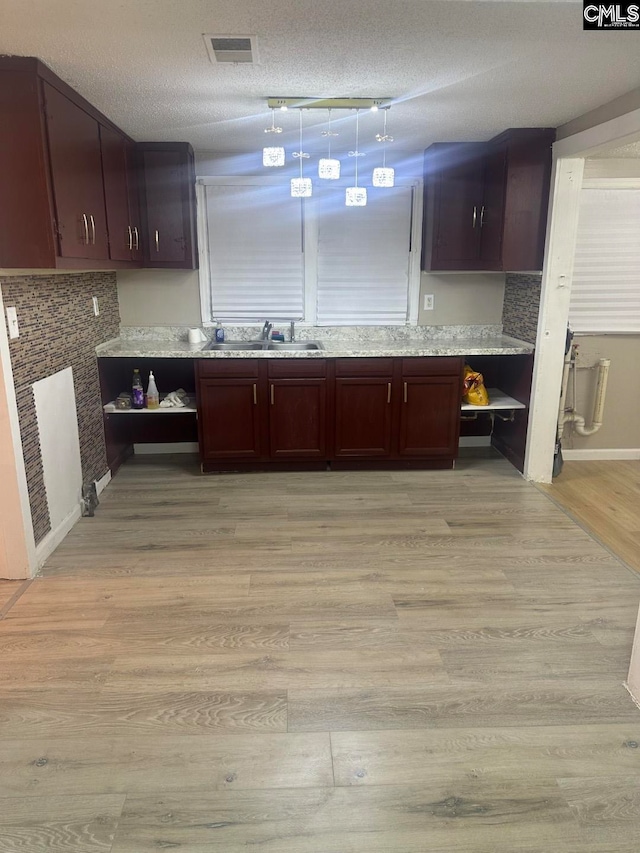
(605, 292)
(255, 248)
(363, 258)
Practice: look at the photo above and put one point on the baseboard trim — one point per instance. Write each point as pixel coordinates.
(48, 545)
(166, 447)
(597, 454)
(103, 482)
(474, 441)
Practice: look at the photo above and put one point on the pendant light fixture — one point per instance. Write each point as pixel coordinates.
(273, 155)
(356, 196)
(301, 187)
(328, 167)
(383, 176)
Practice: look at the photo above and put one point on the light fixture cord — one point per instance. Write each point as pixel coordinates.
(329, 133)
(301, 143)
(384, 146)
(357, 136)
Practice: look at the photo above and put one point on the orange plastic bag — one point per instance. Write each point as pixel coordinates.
(473, 390)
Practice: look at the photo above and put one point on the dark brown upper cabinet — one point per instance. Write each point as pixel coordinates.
(76, 175)
(121, 195)
(55, 201)
(485, 205)
(167, 193)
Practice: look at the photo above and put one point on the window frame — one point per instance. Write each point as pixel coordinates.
(310, 251)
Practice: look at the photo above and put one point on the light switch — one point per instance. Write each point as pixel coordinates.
(12, 321)
(96, 307)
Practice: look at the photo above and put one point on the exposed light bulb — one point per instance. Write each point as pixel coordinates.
(374, 108)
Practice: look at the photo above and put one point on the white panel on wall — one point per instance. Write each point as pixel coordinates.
(55, 403)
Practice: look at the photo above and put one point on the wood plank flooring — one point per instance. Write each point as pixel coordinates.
(605, 497)
(321, 663)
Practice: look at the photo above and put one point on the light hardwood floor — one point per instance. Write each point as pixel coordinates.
(605, 497)
(321, 663)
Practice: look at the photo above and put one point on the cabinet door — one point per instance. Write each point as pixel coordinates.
(297, 418)
(76, 171)
(363, 416)
(229, 419)
(429, 416)
(116, 193)
(457, 209)
(133, 188)
(492, 210)
(169, 205)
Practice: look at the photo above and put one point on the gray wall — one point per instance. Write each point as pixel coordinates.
(621, 427)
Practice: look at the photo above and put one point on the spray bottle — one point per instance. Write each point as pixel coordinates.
(153, 398)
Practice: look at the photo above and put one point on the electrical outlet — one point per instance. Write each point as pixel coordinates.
(428, 302)
(96, 307)
(12, 321)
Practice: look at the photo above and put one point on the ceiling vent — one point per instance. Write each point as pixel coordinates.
(232, 48)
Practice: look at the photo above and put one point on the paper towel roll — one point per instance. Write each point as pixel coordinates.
(196, 336)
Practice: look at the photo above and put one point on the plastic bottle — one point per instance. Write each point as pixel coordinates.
(219, 333)
(138, 390)
(153, 398)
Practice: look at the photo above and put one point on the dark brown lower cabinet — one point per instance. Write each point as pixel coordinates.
(229, 419)
(318, 411)
(297, 418)
(363, 416)
(429, 416)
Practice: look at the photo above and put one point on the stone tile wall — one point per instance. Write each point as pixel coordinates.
(58, 329)
(521, 305)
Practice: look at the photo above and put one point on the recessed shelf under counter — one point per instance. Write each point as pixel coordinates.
(110, 409)
(498, 400)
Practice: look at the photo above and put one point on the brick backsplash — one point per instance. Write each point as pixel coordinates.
(58, 330)
(521, 305)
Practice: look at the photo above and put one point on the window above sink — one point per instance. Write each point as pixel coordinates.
(264, 254)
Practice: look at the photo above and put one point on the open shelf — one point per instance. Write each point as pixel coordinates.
(110, 409)
(499, 401)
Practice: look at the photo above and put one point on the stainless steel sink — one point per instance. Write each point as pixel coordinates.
(237, 345)
(295, 347)
(266, 345)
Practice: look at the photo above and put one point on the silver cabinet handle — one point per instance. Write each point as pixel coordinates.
(475, 215)
(482, 216)
(388, 392)
(405, 392)
(157, 233)
(93, 229)
(255, 394)
(130, 232)
(137, 237)
(85, 222)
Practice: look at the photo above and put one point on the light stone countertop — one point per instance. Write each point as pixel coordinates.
(157, 348)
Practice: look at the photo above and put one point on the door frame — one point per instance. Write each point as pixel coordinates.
(569, 155)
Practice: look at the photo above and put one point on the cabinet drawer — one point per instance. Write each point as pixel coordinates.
(364, 366)
(432, 366)
(245, 367)
(293, 368)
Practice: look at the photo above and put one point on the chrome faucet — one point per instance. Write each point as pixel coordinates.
(267, 330)
(292, 331)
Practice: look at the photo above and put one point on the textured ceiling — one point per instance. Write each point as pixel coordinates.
(460, 70)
